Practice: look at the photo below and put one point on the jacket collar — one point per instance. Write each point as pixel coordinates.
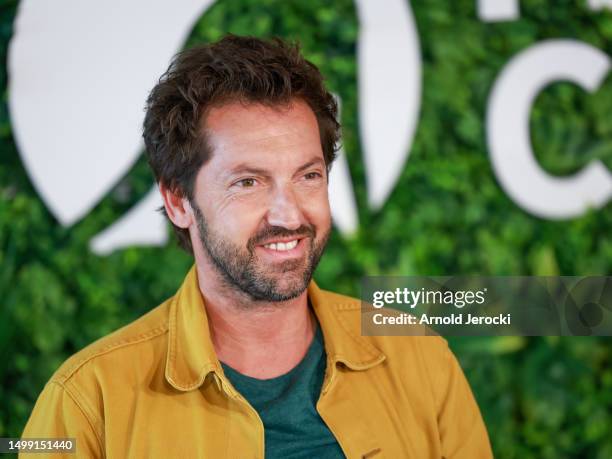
(343, 342)
(191, 355)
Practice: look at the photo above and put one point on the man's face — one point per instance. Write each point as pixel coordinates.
(261, 202)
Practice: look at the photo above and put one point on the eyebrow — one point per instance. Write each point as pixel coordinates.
(245, 168)
(318, 160)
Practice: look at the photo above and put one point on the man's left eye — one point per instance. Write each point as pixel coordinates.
(312, 175)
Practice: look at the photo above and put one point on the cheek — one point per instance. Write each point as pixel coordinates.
(238, 219)
(317, 210)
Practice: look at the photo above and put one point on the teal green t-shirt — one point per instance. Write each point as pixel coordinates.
(287, 406)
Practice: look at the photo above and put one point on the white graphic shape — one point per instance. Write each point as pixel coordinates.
(340, 190)
(508, 137)
(389, 83)
(80, 71)
(498, 10)
(597, 5)
(142, 225)
(341, 198)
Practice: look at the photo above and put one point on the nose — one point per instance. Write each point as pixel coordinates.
(284, 209)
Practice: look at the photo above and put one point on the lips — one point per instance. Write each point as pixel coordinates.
(282, 244)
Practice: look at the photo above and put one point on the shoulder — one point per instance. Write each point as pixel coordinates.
(105, 372)
(122, 346)
(422, 377)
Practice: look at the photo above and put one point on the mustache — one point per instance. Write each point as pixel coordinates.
(271, 232)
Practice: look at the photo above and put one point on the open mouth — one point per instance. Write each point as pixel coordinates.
(286, 248)
(282, 246)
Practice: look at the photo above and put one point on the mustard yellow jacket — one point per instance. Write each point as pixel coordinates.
(155, 389)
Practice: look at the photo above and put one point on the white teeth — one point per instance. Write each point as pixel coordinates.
(282, 246)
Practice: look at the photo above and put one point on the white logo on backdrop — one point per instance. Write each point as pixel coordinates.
(80, 71)
(508, 10)
(510, 104)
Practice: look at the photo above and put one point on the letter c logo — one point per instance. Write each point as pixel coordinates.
(512, 157)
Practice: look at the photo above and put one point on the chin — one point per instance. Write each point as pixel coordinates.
(285, 287)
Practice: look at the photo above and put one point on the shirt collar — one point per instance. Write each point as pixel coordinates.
(191, 355)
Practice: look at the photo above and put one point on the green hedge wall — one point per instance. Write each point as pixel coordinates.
(540, 397)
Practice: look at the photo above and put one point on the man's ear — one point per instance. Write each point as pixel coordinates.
(177, 207)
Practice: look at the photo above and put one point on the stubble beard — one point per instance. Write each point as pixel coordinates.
(242, 270)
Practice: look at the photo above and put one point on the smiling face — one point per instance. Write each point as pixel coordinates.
(260, 202)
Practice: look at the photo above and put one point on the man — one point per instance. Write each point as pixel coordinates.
(250, 359)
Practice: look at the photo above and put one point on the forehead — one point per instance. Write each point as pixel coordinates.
(255, 132)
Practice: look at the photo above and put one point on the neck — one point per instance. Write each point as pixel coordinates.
(257, 338)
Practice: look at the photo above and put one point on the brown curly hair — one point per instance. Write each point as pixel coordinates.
(235, 68)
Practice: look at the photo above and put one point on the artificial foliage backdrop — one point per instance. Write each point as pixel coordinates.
(540, 397)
